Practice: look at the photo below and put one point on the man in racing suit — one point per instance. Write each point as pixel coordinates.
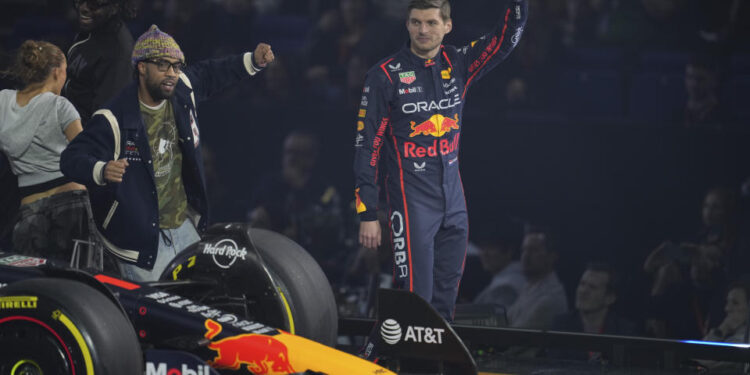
(411, 112)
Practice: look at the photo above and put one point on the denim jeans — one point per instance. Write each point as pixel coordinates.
(171, 242)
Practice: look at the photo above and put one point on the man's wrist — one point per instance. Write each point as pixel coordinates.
(98, 173)
(368, 216)
(249, 61)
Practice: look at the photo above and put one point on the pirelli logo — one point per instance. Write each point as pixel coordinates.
(18, 302)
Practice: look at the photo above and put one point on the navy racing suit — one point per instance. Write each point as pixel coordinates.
(411, 113)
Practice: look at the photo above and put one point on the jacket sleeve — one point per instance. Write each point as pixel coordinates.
(485, 53)
(372, 122)
(86, 155)
(209, 77)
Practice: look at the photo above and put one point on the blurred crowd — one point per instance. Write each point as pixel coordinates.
(676, 64)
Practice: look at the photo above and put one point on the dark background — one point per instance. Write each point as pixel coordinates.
(599, 150)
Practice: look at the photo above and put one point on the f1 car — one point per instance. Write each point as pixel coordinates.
(241, 300)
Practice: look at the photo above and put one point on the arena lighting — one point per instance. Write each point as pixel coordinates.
(742, 346)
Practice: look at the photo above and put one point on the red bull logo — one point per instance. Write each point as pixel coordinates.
(444, 147)
(260, 354)
(436, 126)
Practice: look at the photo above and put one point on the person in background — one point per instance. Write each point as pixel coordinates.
(299, 202)
(733, 329)
(99, 60)
(36, 124)
(596, 295)
(497, 253)
(544, 296)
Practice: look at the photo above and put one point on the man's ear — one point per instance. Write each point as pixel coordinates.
(141, 66)
(448, 25)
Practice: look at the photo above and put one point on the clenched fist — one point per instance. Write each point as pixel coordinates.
(263, 55)
(114, 170)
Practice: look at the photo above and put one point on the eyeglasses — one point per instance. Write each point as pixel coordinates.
(163, 65)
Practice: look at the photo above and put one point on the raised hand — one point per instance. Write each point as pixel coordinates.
(263, 55)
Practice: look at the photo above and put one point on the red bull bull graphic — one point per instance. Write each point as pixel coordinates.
(260, 354)
(436, 126)
(444, 147)
(270, 354)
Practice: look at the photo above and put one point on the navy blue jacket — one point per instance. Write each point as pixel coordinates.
(413, 107)
(127, 213)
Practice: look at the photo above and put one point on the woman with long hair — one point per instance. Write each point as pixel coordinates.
(36, 124)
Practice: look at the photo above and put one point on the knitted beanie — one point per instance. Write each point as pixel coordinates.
(154, 44)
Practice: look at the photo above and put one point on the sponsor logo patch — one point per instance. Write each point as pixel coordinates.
(399, 244)
(444, 147)
(22, 261)
(435, 126)
(517, 36)
(225, 252)
(18, 302)
(410, 108)
(410, 90)
(207, 312)
(131, 151)
(260, 353)
(407, 77)
(358, 202)
(392, 333)
(161, 369)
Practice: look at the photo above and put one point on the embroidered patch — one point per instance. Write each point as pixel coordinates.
(407, 77)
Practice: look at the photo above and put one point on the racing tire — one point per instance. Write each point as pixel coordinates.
(302, 284)
(59, 326)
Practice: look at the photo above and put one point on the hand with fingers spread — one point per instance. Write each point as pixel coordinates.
(115, 169)
(369, 234)
(263, 55)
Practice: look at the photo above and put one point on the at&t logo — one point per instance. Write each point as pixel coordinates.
(391, 333)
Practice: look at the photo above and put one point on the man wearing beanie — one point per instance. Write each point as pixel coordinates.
(140, 156)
